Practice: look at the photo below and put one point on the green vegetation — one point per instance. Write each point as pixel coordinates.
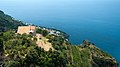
(87, 55)
(81, 58)
(55, 31)
(39, 31)
(7, 22)
(18, 50)
(43, 32)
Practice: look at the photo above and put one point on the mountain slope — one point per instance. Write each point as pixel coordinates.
(88, 55)
(8, 22)
(21, 51)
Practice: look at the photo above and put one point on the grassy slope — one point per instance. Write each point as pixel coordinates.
(81, 57)
(91, 56)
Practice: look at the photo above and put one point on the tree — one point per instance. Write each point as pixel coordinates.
(39, 31)
(45, 33)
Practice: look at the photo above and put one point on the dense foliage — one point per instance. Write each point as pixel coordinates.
(87, 55)
(57, 42)
(8, 22)
(43, 32)
(20, 50)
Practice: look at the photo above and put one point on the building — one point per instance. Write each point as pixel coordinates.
(27, 30)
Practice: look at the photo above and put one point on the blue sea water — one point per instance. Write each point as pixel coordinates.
(94, 20)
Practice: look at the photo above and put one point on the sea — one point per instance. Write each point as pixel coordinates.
(95, 20)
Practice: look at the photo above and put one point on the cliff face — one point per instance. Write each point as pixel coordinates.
(20, 51)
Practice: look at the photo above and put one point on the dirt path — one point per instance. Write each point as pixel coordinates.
(43, 42)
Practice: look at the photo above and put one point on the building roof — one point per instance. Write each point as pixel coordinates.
(26, 29)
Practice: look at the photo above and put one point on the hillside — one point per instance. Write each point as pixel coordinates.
(91, 56)
(7, 22)
(22, 51)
